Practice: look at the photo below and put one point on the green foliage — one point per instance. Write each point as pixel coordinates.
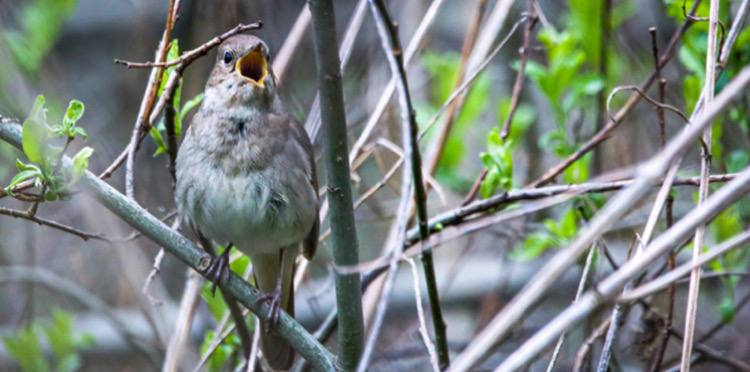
(499, 164)
(555, 234)
(36, 137)
(40, 22)
(25, 347)
(225, 350)
(443, 71)
(68, 126)
(564, 84)
(726, 225)
(498, 159)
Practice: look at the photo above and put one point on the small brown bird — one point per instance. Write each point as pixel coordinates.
(246, 178)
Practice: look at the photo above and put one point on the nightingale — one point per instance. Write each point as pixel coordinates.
(246, 178)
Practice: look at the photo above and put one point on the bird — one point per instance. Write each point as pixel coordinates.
(246, 178)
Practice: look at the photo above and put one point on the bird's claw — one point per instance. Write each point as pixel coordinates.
(218, 271)
(274, 301)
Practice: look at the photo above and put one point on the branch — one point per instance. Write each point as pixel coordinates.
(673, 276)
(190, 56)
(518, 84)
(708, 88)
(461, 214)
(394, 53)
(147, 103)
(581, 287)
(53, 224)
(190, 254)
(344, 234)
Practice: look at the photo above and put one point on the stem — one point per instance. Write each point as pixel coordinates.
(708, 91)
(344, 235)
(392, 47)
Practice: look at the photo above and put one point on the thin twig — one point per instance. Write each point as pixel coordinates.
(460, 214)
(673, 276)
(434, 154)
(292, 41)
(669, 205)
(458, 92)
(53, 224)
(183, 321)
(420, 315)
(703, 190)
(149, 97)
(518, 84)
(616, 319)
(190, 56)
(312, 123)
(411, 50)
(392, 47)
(607, 288)
(581, 286)
(515, 95)
(585, 348)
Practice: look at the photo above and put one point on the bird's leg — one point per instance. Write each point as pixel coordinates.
(274, 298)
(218, 271)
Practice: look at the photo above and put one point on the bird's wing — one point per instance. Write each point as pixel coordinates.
(310, 243)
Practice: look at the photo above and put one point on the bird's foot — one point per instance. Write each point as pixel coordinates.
(218, 272)
(274, 301)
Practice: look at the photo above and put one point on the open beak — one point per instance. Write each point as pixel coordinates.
(253, 67)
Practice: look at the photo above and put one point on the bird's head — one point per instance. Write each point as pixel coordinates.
(242, 72)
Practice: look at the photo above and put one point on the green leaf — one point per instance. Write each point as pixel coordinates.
(73, 113)
(161, 147)
(215, 302)
(60, 334)
(24, 348)
(191, 104)
(532, 247)
(727, 309)
(34, 133)
(80, 164)
(81, 132)
(172, 54)
(22, 176)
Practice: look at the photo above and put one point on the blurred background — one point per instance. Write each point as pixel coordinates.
(64, 50)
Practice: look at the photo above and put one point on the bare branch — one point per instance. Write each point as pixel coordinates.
(53, 224)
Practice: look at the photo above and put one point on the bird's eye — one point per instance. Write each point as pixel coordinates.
(228, 57)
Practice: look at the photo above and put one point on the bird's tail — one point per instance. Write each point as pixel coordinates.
(267, 268)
